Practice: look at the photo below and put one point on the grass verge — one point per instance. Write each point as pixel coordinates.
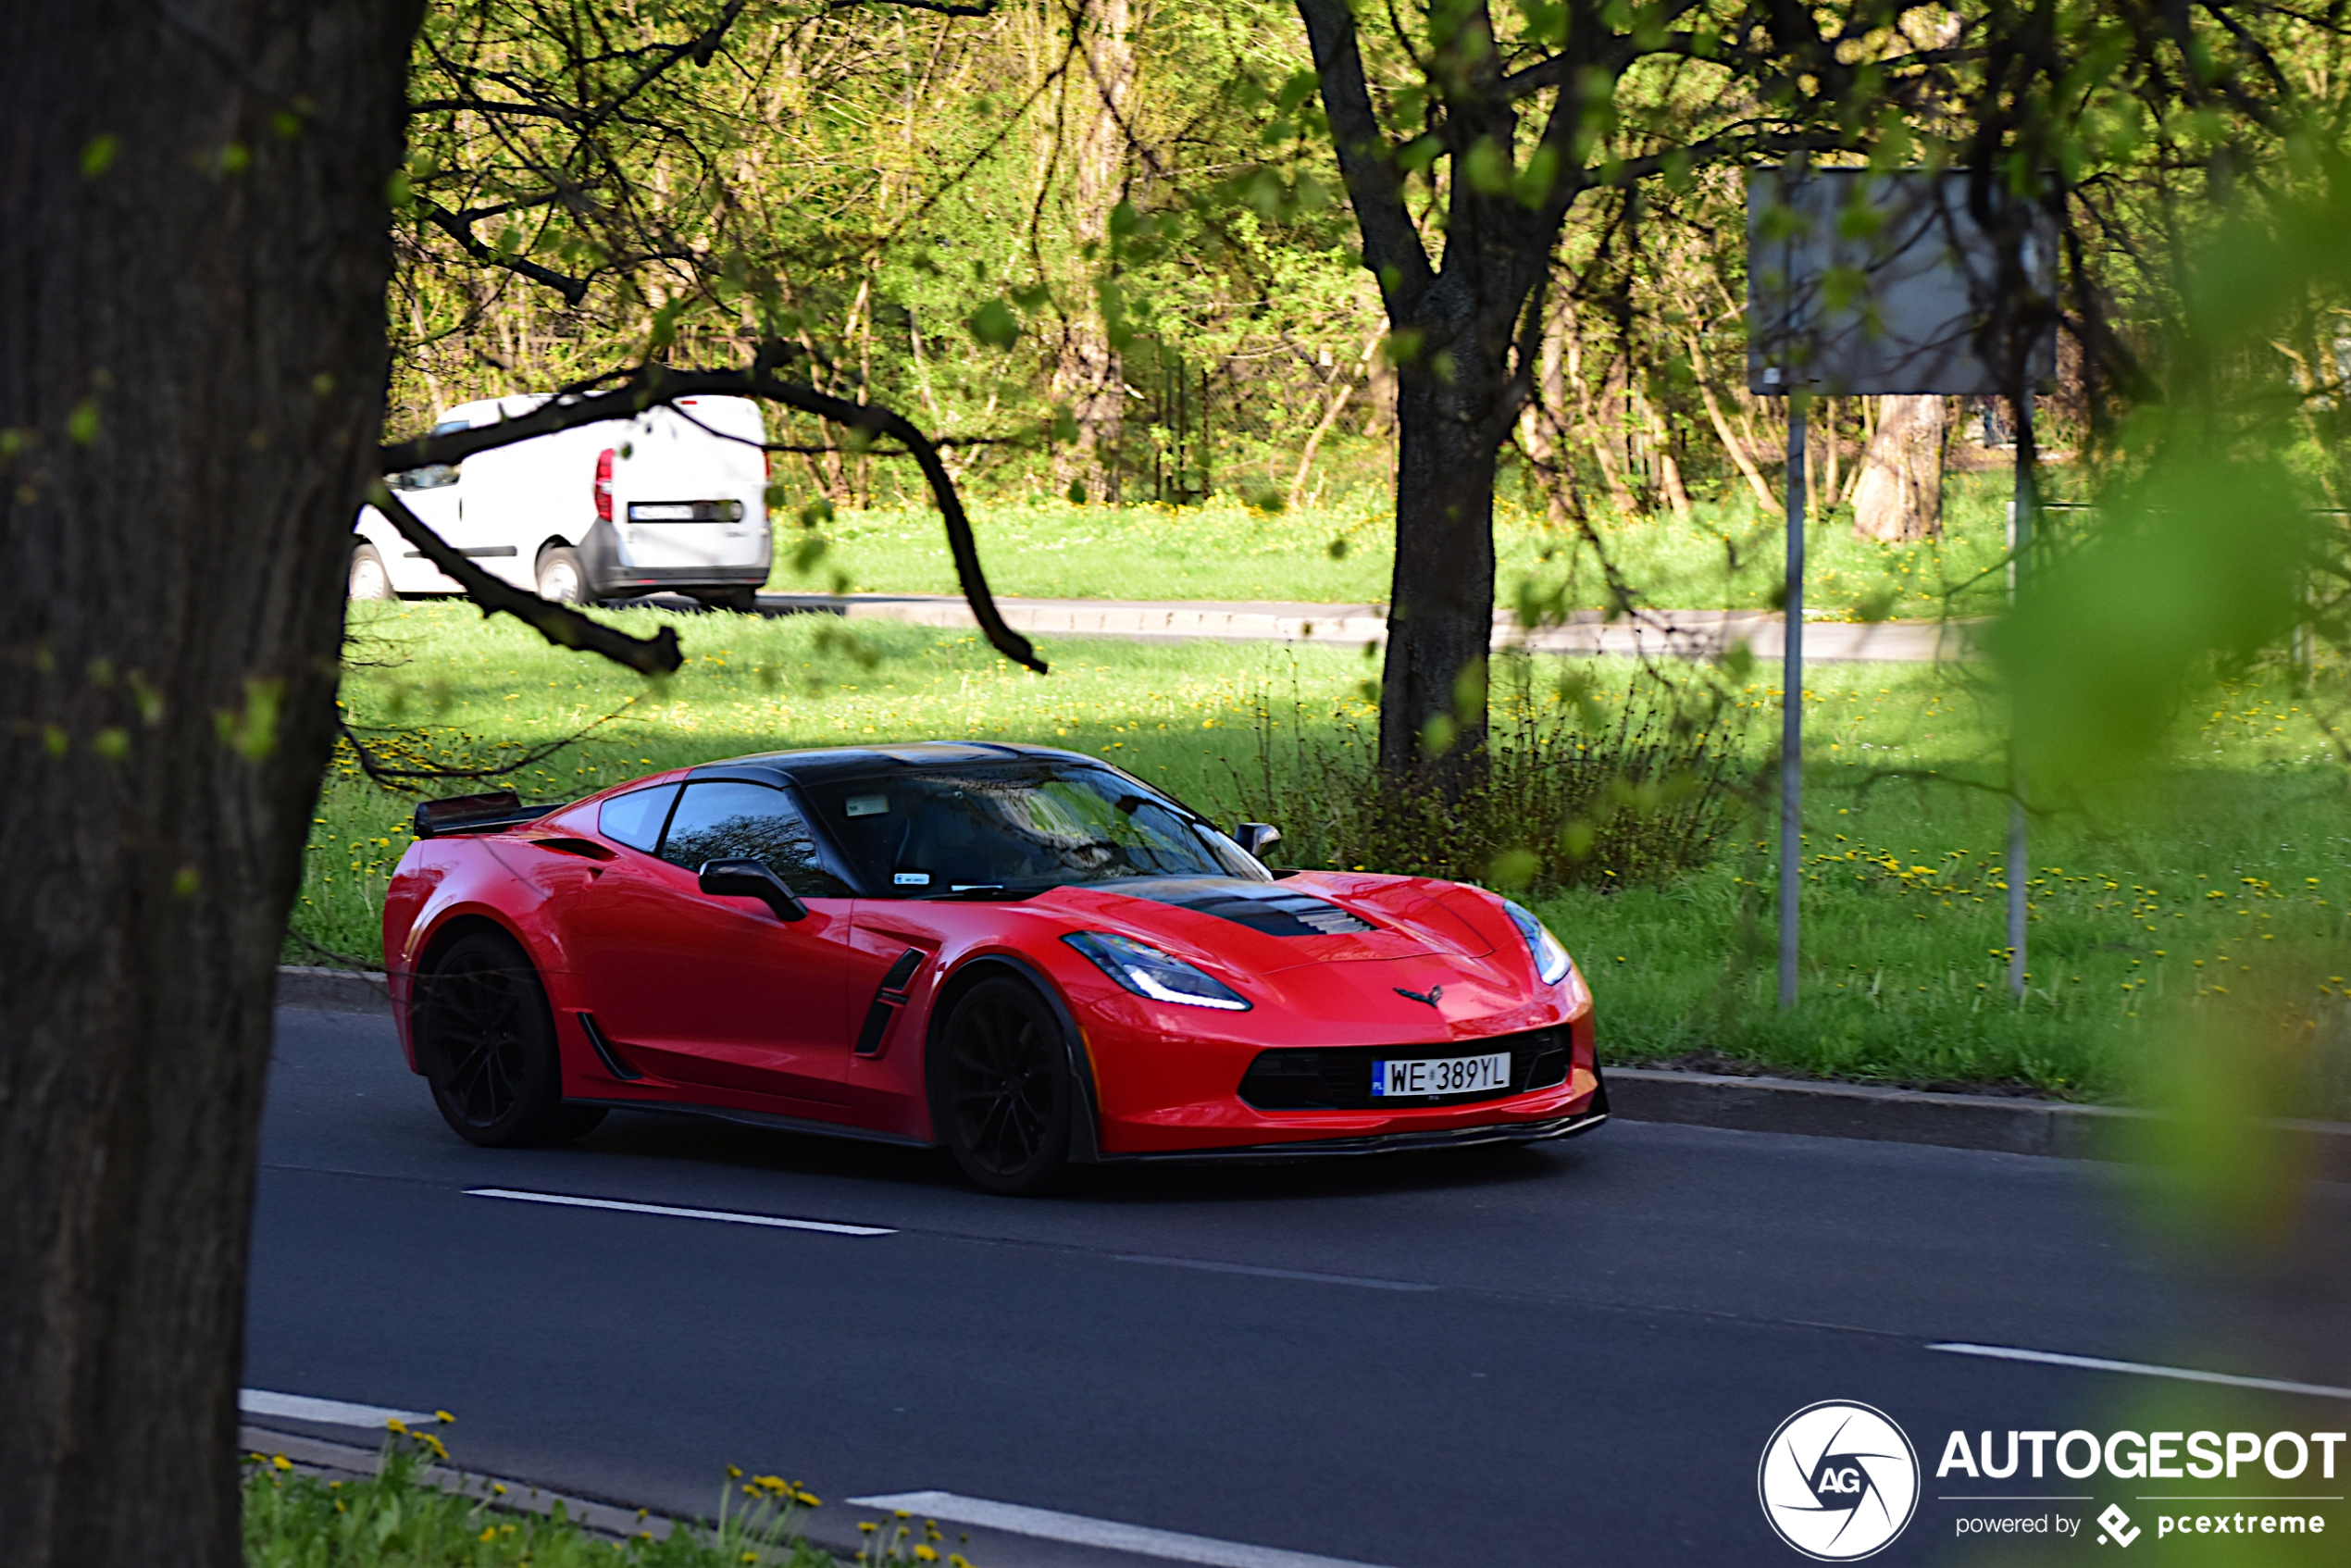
(404, 1517)
(1725, 555)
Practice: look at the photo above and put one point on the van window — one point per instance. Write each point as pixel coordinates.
(636, 817)
(723, 819)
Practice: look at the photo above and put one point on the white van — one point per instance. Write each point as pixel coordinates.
(664, 502)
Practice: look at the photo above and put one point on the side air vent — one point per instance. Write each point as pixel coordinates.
(604, 1051)
(887, 1000)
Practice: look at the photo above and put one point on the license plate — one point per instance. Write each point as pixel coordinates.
(1441, 1074)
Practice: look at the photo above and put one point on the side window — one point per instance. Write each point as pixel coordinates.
(718, 819)
(635, 818)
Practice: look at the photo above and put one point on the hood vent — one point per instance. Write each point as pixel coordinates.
(1257, 905)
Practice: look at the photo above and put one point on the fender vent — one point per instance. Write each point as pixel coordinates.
(887, 1000)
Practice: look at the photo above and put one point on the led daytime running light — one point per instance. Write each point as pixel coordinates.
(1147, 972)
(1550, 959)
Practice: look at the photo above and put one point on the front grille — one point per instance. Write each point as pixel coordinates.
(1340, 1077)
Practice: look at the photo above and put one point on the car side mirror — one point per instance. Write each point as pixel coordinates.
(751, 879)
(1256, 837)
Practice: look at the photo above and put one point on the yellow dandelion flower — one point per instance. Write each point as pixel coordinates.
(281, 1461)
(925, 1553)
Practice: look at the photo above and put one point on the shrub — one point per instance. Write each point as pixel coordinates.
(1581, 784)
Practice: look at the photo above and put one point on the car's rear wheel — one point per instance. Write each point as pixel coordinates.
(1001, 1096)
(561, 577)
(487, 1043)
(368, 578)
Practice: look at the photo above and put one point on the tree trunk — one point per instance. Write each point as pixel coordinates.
(1900, 494)
(191, 372)
(1440, 618)
(1087, 374)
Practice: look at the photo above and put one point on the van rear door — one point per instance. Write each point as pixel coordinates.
(690, 486)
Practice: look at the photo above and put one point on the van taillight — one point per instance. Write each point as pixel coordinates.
(604, 485)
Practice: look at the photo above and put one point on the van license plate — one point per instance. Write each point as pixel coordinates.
(1441, 1074)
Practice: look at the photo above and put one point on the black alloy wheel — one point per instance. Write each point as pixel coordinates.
(487, 1043)
(1000, 1095)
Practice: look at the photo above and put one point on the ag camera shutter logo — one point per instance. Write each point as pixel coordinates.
(1839, 1481)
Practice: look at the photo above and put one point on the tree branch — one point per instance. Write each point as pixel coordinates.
(653, 385)
(559, 624)
(1391, 245)
(573, 290)
(944, 7)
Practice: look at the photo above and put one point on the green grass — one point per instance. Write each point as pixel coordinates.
(1728, 555)
(400, 1518)
(1903, 904)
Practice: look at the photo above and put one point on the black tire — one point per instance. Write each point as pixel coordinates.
(742, 601)
(561, 577)
(487, 1043)
(368, 578)
(1001, 1096)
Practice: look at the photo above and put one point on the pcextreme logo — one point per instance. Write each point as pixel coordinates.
(1839, 1481)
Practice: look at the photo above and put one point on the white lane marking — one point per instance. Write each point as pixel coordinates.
(724, 1216)
(330, 1412)
(2143, 1369)
(1274, 1273)
(1079, 1530)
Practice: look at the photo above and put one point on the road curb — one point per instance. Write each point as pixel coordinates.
(1874, 1113)
(323, 989)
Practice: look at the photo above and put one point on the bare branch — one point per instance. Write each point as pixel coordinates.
(944, 7)
(559, 624)
(573, 290)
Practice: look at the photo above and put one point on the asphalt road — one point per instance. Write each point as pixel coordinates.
(1570, 1353)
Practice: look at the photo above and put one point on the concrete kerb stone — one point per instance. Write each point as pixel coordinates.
(323, 989)
(2012, 1124)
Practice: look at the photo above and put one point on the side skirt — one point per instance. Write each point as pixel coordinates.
(758, 1119)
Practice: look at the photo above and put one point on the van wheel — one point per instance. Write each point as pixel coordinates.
(368, 578)
(560, 577)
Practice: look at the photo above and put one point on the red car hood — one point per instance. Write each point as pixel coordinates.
(1265, 927)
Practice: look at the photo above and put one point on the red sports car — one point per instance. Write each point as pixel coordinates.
(1024, 954)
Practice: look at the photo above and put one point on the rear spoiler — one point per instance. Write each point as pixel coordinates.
(475, 814)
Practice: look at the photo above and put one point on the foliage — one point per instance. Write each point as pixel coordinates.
(405, 1517)
(1585, 787)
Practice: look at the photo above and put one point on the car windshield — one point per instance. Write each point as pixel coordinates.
(1003, 831)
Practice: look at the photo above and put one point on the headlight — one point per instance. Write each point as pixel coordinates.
(1146, 971)
(1550, 959)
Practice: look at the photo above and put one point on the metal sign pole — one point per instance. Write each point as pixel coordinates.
(2021, 539)
(1792, 707)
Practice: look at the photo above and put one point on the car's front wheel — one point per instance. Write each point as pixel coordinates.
(1001, 1096)
(487, 1043)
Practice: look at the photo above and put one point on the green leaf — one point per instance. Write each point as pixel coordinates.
(994, 324)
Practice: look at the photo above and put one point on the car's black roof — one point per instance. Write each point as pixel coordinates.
(852, 762)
